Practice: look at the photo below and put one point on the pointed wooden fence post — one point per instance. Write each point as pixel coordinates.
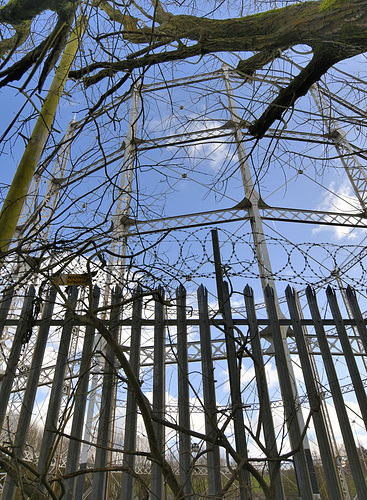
(327, 457)
(289, 401)
(210, 407)
(183, 393)
(127, 482)
(263, 394)
(159, 386)
(349, 443)
(31, 389)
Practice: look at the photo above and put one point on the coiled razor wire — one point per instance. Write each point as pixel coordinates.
(188, 255)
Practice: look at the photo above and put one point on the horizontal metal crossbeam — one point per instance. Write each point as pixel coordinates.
(240, 213)
(228, 128)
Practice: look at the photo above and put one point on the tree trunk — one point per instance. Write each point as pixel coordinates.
(310, 23)
(338, 24)
(18, 190)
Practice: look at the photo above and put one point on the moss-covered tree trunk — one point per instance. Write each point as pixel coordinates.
(18, 190)
(334, 29)
(339, 21)
(334, 22)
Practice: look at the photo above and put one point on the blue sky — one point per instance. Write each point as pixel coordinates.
(188, 178)
(199, 177)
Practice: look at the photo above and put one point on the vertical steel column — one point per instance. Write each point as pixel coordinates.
(213, 456)
(7, 297)
(127, 482)
(72, 461)
(289, 401)
(183, 393)
(234, 381)
(263, 394)
(348, 354)
(120, 220)
(261, 249)
(31, 389)
(36, 213)
(18, 340)
(107, 402)
(336, 393)
(159, 384)
(52, 424)
(355, 171)
(327, 457)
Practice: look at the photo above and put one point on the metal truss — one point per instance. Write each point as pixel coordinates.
(125, 227)
(240, 213)
(347, 153)
(223, 133)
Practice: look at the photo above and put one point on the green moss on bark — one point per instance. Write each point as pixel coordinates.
(330, 4)
(17, 11)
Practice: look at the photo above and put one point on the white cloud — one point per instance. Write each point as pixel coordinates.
(214, 153)
(339, 198)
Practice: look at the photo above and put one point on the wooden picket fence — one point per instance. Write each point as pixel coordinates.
(29, 326)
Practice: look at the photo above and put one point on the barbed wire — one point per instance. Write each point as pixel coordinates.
(190, 255)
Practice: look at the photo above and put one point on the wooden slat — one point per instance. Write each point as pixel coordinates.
(107, 403)
(127, 481)
(326, 453)
(289, 399)
(183, 392)
(158, 392)
(340, 409)
(213, 457)
(263, 393)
